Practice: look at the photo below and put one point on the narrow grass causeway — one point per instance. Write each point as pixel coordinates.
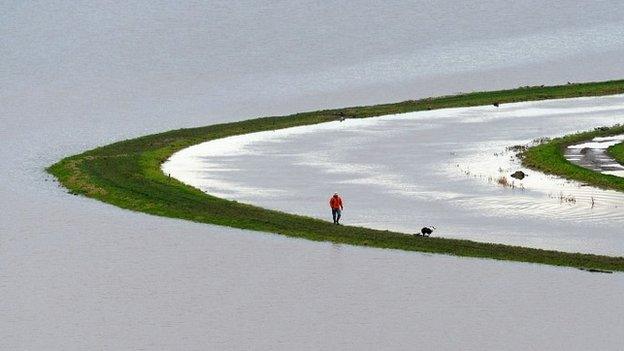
(128, 174)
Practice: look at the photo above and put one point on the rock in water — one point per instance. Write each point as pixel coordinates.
(518, 175)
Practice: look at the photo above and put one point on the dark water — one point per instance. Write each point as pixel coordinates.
(77, 274)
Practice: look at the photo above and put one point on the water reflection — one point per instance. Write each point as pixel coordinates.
(449, 168)
(593, 155)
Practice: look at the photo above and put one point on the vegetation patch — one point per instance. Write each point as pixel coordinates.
(128, 174)
(548, 157)
(617, 152)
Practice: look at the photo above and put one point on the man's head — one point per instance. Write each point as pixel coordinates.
(335, 194)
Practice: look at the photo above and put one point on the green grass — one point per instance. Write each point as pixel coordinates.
(617, 152)
(548, 158)
(127, 174)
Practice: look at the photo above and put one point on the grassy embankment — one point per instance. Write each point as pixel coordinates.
(127, 174)
(617, 152)
(548, 158)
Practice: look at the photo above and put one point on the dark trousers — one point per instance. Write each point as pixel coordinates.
(336, 214)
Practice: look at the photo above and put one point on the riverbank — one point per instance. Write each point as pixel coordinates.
(549, 158)
(127, 174)
(617, 152)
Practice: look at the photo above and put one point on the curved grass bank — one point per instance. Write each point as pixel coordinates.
(548, 158)
(617, 152)
(127, 174)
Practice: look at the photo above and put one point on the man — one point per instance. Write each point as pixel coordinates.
(336, 206)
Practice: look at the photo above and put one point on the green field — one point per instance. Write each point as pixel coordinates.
(548, 158)
(127, 174)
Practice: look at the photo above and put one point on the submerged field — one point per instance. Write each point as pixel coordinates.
(450, 168)
(127, 174)
(549, 158)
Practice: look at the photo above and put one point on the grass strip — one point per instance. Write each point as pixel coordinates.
(127, 174)
(549, 158)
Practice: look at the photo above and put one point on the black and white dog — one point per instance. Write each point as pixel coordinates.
(426, 231)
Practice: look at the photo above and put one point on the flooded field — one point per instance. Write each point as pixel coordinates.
(448, 168)
(77, 274)
(593, 155)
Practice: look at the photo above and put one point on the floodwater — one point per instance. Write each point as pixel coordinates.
(447, 168)
(593, 155)
(77, 274)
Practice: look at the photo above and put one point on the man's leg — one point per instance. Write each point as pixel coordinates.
(334, 215)
(338, 214)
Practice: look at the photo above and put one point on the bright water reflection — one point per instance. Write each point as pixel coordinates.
(442, 168)
(593, 155)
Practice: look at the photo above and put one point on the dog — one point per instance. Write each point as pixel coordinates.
(426, 231)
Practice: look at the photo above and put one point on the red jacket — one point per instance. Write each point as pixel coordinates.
(335, 202)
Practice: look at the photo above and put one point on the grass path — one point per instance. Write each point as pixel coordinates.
(127, 174)
(549, 158)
